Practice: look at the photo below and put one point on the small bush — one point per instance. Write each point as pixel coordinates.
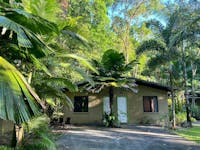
(5, 148)
(109, 119)
(178, 106)
(38, 135)
(182, 117)
(196, 112)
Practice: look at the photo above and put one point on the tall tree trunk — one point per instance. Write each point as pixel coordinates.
(111, 96)
(194, 69)
(19, 134)
(173, 100)
(17, 137)
(14, 138)
(189, 122)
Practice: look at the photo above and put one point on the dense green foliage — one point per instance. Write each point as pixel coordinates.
(18, 100)
(196, 112)
(57, 43)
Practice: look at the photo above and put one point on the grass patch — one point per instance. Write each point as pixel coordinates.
(5, 148)
(192, 134)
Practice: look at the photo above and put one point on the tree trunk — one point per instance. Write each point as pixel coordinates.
(173, 100)
(19, 134)
(194, 69)
(111, 96)
(14, 139)
(189, 122)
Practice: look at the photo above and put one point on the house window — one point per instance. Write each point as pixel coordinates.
(150, 103)
(81, 104)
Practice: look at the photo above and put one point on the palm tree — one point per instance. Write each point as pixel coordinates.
(112, 72)
(53, 87)
(20, 36)
(165, 45)
(20, 40)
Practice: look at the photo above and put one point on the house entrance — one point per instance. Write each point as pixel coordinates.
(106, 105)
(122, 109)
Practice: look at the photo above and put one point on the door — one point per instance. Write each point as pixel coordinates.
(106, 105)
(122, 109)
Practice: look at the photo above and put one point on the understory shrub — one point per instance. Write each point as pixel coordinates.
(196, 112)
(179, 107)
(109, 119)
(4, 148)
(182, 117)
(38, 135)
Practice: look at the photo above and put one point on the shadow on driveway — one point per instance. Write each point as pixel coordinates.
(126, 138)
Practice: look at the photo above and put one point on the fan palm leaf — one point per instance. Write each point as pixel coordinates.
(111, 68)
(35, 23)
(26, 27)
(18, 102)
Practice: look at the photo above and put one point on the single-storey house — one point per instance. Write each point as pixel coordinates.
(148, 106)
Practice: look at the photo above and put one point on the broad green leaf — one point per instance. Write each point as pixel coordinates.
(18, 101)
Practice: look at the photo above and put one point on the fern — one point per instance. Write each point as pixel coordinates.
(38, 134)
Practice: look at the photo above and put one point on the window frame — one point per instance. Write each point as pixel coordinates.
(76, 99)
(156, 106)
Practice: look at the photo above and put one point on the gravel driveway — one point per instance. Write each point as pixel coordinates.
(126, 138)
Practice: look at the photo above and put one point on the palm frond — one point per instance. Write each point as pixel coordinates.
(85, 76)
(61, 83)
(47, 91)
(76, 36)
(22, 37)
(155, 25)
(158, 60)
(25, 37)
(151, 45)
(39, 65)
(189, 32)
(105, 79)
(128, 67)
(81, 60)
(19, 103)
(34, 23)
(171, 25)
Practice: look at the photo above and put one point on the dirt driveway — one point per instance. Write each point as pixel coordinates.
(126, 138)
